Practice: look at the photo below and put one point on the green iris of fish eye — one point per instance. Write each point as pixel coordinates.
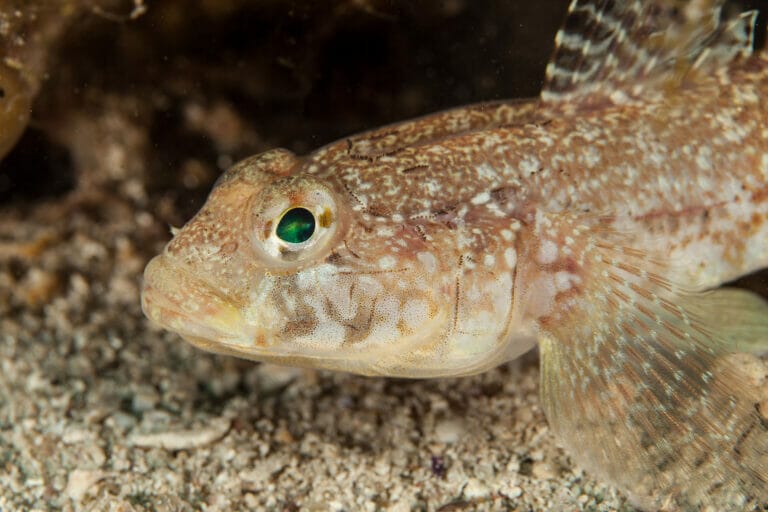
(296, 226)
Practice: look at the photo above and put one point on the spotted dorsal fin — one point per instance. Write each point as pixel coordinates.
(614, 50)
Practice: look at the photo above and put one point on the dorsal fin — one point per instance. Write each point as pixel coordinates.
(619, 50)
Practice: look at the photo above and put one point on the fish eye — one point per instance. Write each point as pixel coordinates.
(296, 226)
(294, 222)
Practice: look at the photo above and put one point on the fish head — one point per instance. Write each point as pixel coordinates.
(286, 266)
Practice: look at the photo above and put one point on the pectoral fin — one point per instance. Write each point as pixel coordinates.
(640, 385)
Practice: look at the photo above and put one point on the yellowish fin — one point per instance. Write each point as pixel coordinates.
(740, 315)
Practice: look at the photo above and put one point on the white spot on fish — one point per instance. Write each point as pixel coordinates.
(489, 260)
(432, 187)
(663, 182)
(592, 156)
(547, 252)
(387, 262)
(530, 166)
(565, 280)
(486, 172)
(506, 235)
(428, 260)
(764, 167)
(481, 198)
(657, 159)
(510, 257)
(704, 158)
(619, 97)
(704, 182)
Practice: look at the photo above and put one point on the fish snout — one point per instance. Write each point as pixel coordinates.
(179, 300)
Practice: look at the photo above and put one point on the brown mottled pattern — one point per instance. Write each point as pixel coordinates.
(638, 152)
(589, 220)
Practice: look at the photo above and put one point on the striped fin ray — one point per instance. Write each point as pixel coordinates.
(613, 50)
(645, 391)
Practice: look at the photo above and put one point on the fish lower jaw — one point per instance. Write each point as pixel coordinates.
(220, 325)
(183, 302)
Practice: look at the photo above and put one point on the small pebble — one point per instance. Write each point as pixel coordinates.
(450, 431)
(475, 489)
(80, 481)
(174, 440)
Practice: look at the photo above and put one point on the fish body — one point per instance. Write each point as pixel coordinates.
(593, 221)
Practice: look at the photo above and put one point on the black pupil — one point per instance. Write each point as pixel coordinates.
(296, 226)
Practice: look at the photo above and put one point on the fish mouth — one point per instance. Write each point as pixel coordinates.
(179, 301)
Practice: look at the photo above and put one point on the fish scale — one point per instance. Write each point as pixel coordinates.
(596, 221)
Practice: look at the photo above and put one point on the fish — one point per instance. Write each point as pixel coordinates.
(597, 222)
